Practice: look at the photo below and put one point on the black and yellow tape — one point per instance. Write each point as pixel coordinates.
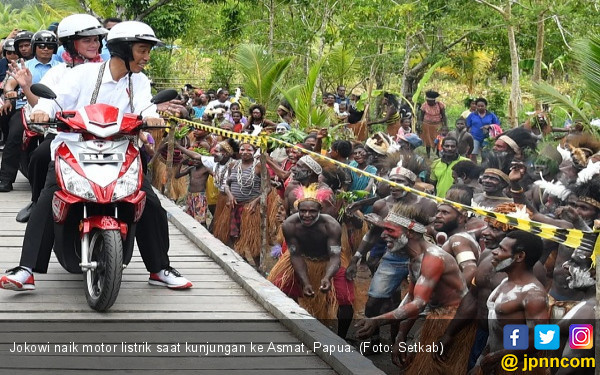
(569, 237)
(260, 141)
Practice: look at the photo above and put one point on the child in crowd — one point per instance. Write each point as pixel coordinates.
(405, 127)
(236, 119)
(196, 203)
(342, 112)
(439, 138)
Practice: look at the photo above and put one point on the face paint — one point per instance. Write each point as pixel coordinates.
(504, 264)
(399, 244)
(580, 278)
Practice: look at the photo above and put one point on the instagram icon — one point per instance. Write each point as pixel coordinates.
(581, 336)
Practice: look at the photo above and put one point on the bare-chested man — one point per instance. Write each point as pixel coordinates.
(460, 244)
(582, 277)
(435, 281)
(389, 268)
(196, 197)
(581, 215)
(313, 260)
(486, 279)
(306, 173)
(519, 299)
(493, 181)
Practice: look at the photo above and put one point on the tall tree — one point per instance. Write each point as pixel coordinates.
(514, 103)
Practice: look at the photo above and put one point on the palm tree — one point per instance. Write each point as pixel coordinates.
(586, 104)
(261, 73)
(308, 113)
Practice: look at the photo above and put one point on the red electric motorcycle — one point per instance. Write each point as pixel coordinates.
(99, 172)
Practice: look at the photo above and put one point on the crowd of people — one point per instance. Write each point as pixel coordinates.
(438, 273)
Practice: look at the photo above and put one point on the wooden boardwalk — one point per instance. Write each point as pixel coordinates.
(217, 313)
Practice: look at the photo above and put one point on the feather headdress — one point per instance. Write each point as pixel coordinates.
(313, 193)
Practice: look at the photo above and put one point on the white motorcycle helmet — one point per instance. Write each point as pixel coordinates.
(77, 26)
(124, 34)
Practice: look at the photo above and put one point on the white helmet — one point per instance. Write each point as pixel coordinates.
(132, 31)
(123, 35)
(79, 25)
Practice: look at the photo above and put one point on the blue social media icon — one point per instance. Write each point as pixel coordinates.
(516, 336)
(547, 337)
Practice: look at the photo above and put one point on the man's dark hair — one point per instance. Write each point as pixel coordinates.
(391, 99)
(449, 138)
(481, 100)
(498, 161)
(413, 212)
(309, 137)
(342, 147)
(530, 244)
(260, 108)
(588, 189)
(111, 19)
(460, 193)
(522, 137)
(468, 168)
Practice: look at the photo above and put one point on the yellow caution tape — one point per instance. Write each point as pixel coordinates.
(260, 141)
(575, 238)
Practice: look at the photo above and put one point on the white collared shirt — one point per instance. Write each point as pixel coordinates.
(76, 88)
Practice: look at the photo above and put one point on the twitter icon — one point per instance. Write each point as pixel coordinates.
(547, 337)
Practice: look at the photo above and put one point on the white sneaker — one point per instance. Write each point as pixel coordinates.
(18, 279)
(170, 278)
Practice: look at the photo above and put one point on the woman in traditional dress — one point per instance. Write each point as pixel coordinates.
(431, 118)
(391, 115)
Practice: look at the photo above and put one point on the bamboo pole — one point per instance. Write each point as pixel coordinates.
(264, 230)
(170, 150)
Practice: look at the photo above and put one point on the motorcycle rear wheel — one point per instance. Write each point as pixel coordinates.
(103, 283)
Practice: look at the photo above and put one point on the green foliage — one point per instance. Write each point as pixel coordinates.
(172, 20)
(426, 77)
(497, 99)
(341, 65)
(261, 72)
(160, 65)
(308, 113)
(221, 72)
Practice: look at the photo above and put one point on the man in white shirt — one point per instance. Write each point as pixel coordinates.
(118, 82)
(222, 101)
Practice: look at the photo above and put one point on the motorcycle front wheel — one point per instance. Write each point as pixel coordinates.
(102, 284)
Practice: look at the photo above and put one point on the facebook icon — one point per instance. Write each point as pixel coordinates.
(516, 336)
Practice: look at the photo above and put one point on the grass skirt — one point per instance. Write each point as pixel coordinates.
(322, 306)
(221, 220)
(250, 241)
(433, 328)
(179, 186)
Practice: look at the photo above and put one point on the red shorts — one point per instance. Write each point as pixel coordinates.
(344, 288)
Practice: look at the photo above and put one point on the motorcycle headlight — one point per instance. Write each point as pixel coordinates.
(75, 183)
(128, 183)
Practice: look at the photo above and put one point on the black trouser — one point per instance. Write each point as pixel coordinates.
(4, 124)
(11, 156)
(152, 234)
(38, 167)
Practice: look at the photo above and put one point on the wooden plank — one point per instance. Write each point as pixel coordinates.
(135, 316)
(170, 326)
